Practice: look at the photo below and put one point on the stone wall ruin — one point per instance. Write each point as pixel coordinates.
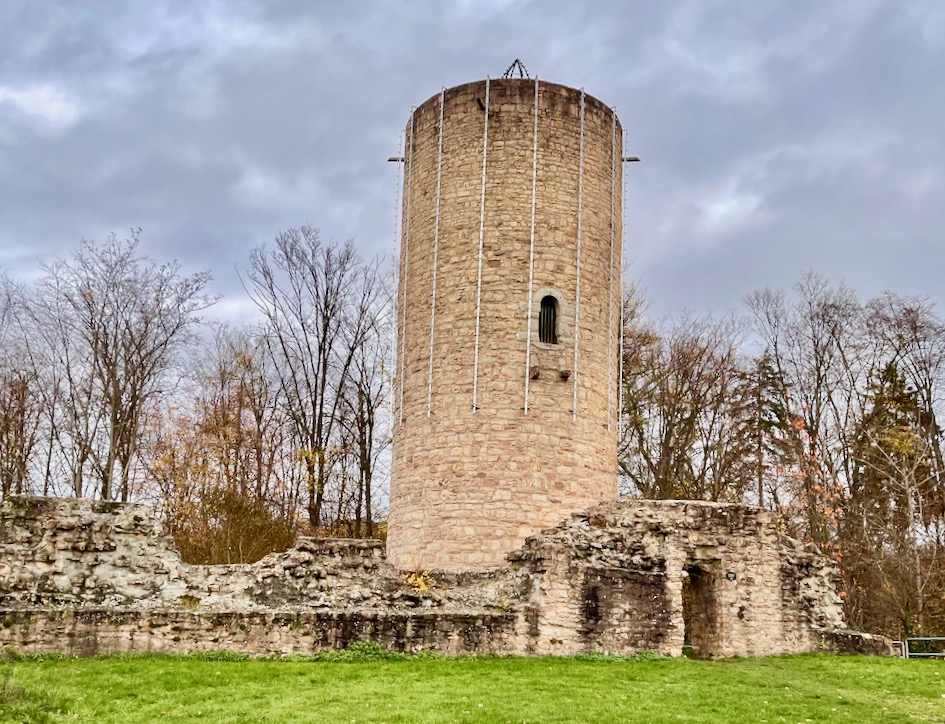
(84, 577)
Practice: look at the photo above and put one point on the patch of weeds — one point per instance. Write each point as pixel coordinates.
(419, 581)
(189, 602)
(219, 655)
(296, 658)
(137, 656)
(358, 651)
(361, 651)
(640, 656)
(8, 653)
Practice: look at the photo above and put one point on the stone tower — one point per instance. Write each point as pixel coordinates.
(508, 316)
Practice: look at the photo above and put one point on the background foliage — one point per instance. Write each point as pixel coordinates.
(814, 403)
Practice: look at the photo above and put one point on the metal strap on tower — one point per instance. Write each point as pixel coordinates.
(613, 239)
(623, 247)
(482, 231)
(436, 246)
(531, 254)
(396, 282)
(577, 286)
(406, 268)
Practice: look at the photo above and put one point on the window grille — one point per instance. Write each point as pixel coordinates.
(548, 320)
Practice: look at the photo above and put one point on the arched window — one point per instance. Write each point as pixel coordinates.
(548, 320)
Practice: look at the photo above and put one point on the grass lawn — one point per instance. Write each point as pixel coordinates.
(371, 686)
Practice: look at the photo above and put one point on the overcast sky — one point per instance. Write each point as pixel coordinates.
(776, 136)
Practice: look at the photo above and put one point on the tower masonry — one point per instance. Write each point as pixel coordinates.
(508, 318)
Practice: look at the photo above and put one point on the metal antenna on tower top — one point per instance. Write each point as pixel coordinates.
(516, 67)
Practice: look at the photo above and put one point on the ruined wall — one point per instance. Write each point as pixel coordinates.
(83, 577)
(658, 575)
(67, 552)
(451, 504)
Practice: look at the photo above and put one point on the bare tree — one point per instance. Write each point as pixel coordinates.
(19, 407)
(814, 345)
(109, 325)
(365, 400)
(865, 383)
(319, 303)
(222, 467)
(836, 426)
(240, 403)
(685, 416)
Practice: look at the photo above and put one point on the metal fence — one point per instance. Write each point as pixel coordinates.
(922, 647)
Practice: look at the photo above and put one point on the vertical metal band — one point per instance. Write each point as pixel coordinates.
(531, 254)
(395, 274)
(436, 246)
(613, 239)
(482, 230)
(577, 286)
(406, 268)
(623, 321)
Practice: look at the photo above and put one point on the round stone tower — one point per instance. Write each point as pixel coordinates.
(508, 316)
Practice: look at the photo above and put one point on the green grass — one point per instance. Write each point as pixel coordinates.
(370, 686)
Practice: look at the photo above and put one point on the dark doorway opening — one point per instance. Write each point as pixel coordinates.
(700, 612)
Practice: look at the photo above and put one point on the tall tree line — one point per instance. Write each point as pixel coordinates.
(826, 409)
(811, 402)
(113, 386)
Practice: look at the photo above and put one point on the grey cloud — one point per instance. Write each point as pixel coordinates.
(775, 136)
